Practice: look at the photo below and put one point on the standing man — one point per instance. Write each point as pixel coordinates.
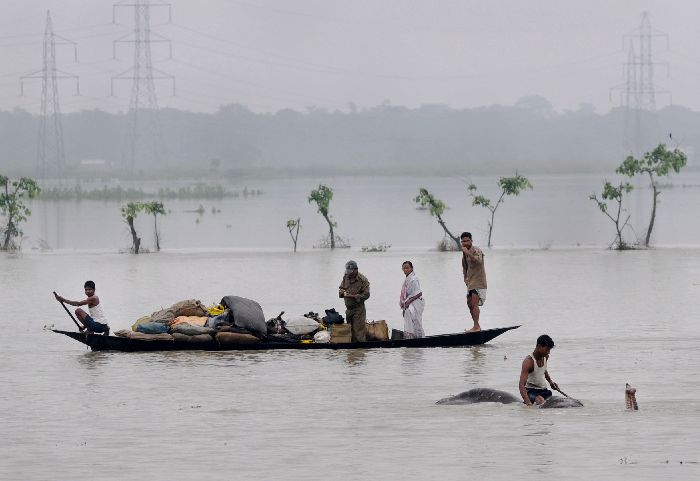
(95, 321)
(355, 290)
(534, 373)
(474, 278)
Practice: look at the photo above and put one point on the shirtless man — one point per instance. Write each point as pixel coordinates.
(95, 321)
(534, 373)
(474, 278)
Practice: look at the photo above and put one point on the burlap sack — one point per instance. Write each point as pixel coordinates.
(231, 338)
(377, 331)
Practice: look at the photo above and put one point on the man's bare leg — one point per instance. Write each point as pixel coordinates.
(473, 304)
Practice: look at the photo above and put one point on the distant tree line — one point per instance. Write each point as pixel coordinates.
(385, 139)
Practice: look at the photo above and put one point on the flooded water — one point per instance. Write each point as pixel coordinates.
(556, 213)
(616, 317)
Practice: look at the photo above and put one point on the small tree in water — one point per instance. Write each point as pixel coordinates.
(323, 196)
(436, 208)
(12, 194)
(129, 213)
(155, 207)
(509, 186)
(659, 162)
(614, 193)
(293, 226)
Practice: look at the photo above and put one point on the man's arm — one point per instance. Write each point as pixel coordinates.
(341, 289)
(527, 367)
(554, 385)
(363, 295)
(77, 303)
(473, 254)
(465, 266)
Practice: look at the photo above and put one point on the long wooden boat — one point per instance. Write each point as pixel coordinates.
(98, 342)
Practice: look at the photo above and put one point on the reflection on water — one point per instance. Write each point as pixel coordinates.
(354, 358)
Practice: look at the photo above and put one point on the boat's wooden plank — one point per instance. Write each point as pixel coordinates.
(99, 342)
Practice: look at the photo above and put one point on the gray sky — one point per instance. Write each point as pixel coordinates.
(274, 54)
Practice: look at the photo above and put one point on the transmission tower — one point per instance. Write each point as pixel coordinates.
(638, 93)
(144, 139)
(51, 161)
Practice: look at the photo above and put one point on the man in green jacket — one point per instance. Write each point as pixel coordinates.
(354, 288)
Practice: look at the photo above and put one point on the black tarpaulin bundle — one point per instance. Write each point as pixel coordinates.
(246, 314)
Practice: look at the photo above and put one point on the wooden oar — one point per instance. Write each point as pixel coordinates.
(565, 395)
(69, 313)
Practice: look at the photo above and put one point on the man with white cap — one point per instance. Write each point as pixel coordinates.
(354, 288)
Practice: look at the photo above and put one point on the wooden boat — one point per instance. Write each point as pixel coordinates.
(98, 342)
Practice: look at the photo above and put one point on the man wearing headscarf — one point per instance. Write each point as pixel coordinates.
(354, 288)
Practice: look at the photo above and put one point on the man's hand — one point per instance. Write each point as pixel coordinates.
(554, 385)
(59, 298)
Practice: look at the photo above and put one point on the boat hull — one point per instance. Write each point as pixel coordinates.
(98, 342)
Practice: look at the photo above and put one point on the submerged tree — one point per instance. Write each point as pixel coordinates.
(614, 193)
(12, 195)
(129, 213)
(659, 162)
(323, 196)
(436, 208)
(509, 186)
(155, 208)
(293, 226)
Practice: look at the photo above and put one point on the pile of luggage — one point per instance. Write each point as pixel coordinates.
(237, 320)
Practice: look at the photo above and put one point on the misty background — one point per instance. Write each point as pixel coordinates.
(368, 87)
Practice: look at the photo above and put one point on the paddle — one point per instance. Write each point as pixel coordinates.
(565, 395)
(69, 313)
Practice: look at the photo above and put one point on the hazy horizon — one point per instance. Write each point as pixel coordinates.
(271, 56)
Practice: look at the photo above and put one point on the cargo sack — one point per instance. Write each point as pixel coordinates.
(322, 337)
(235, 338)
(140, 320)
(196, 339)
(190, 307)
(192, 320)
(377, 331)
(151, 328)
(246, 314)
(140, 336)
(190, 330)
(234, 329)
(301, 325)
(341, 333)
(332, 317)
(163, 316)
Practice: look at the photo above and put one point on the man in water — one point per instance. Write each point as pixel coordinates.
(354, 288)
(474, 278)
(534, 373)
(95, 321)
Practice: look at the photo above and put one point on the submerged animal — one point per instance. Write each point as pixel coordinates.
(480, 395)
(631, 398)
(486, 395)
(561, 402)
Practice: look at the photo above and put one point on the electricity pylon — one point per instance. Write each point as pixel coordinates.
(638, 92)
(51, 160)
(144, 139)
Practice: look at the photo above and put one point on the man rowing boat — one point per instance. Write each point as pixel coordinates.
(95, 321)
